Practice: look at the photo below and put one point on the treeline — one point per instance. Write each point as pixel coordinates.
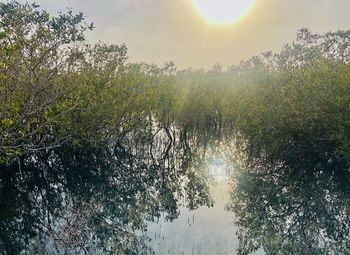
(69, 111)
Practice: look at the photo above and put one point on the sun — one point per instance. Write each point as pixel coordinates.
(222, 12)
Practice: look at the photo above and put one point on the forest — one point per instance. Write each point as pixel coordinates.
(93, 146)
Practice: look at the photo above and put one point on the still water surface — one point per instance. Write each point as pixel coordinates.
(160, 184)
(206, 230)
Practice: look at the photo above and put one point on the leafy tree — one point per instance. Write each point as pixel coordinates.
(34, 50)
(294, 131)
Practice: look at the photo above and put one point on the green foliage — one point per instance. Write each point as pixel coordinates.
(35, 49)
(117, 143)
(293, 127)
(87, 149)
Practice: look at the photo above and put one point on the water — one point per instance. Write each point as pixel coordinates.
(207, 230)
(100, 201)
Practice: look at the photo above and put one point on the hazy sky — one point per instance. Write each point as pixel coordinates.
(171, 30)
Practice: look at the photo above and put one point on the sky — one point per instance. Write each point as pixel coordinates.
(159, 31)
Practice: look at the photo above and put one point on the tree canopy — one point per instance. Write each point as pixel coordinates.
(93, 146)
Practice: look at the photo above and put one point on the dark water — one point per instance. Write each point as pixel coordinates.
(167, 192)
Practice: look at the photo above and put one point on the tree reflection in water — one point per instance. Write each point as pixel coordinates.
(92, 199)
(298, 207)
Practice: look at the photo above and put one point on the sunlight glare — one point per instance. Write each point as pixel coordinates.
(222, 12)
